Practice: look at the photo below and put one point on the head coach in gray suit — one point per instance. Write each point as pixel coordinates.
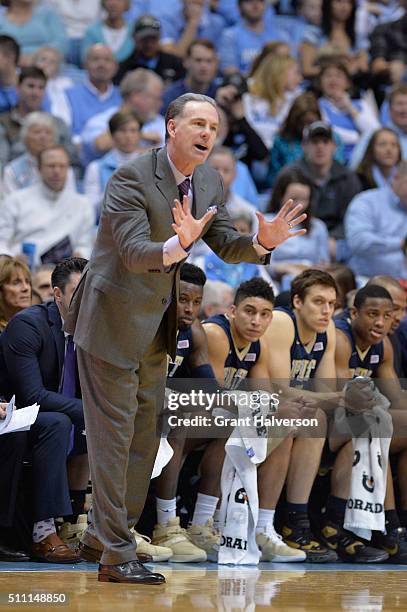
(123, 315)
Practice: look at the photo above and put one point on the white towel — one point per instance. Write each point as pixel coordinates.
(246, 447)
(165, 450)
(164, 455)
(365, 506)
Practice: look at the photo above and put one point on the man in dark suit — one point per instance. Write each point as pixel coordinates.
(124, 313)
(39, 365)
(45, 446)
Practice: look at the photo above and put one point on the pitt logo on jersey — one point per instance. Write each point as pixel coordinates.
(233, 377)
(301, 369)
(361, 372)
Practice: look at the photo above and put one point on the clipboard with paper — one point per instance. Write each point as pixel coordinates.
(18, 420)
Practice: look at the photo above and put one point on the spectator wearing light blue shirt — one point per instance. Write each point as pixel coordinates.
(349, 117)
(96, 94)
(241, 43)
(192, 20)
(227, 9)
(157, 8)
(141, 91)
(124, 128)
(308, 18)
(376, 229)
(33, 27)
(113, 31)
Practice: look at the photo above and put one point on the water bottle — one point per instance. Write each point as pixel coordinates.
(29, 248)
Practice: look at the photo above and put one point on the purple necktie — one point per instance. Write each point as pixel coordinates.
(183, 188)
(69, 381)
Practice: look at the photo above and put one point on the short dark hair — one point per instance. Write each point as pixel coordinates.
(200, 42)
(121, 118)
(176, 107)
(63, 270)
(255, 287)
(371, 291)
(335, 62)
(302, 283)
(10, 45)
(31, 72)
(192, 274)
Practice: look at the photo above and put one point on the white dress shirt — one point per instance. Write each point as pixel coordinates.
(45, 217)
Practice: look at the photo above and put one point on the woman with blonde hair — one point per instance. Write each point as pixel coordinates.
(276, 47)
(15, 288)
(272, 89)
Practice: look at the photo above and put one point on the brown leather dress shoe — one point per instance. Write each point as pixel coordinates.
(53, 550)
(131, 572)
(94, 555)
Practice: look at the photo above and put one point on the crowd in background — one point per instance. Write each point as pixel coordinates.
(313, 104)
(312, 98)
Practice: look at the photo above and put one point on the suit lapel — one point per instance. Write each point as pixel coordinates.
(200, 203)
(55, 322)
(164, 179)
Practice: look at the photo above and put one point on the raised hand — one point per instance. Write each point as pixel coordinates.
(187, 228)
(272, 233)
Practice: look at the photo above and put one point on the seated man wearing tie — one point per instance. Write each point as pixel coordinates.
(39, 362)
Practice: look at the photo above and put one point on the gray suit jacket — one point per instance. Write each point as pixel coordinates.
(125, 289)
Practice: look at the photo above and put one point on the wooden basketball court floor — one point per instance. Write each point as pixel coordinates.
(204, 587)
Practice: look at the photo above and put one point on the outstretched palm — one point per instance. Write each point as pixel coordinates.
(272, 233)
(185, 225)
